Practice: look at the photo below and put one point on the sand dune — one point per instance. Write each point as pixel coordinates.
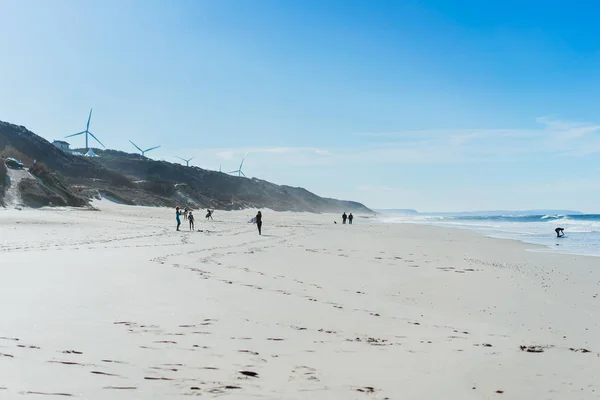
(115, 304)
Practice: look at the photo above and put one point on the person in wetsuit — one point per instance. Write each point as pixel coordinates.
(209, 214)
(177, 215)
(350, 218)
(259, 222)
(344, 217)
(560, 232)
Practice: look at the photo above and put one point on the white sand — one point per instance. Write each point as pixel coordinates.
(404, 310)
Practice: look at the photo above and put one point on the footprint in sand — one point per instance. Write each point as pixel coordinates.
(366, 389)
(49, 394)
(304, 372)
(66, 362)
(249, 352)
(103, 373)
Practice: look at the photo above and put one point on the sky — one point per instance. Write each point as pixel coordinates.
(433, 105)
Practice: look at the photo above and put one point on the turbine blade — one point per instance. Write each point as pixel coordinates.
(231, 172)
(92, 135)
(151, 148)
(75, 134)
(243, 174)
(190, 159)
(183, 159)
(136, 146)
(89, 118)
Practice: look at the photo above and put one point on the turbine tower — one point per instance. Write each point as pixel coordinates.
(143, 152)
(87, 132)
(239, 170)
(187, 162)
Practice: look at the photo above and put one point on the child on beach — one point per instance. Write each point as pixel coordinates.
(191, 219)
(209, 214)
(350, 218)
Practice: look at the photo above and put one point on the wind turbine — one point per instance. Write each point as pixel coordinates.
(187, 162)
(143, 151)
(239, 170)
(87, 132)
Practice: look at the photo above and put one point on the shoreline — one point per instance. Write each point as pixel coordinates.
(538, 247)
(117, 304)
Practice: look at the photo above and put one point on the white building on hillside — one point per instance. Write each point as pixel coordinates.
(64, 146)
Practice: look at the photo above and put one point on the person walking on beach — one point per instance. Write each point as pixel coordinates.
(177, 215)
(560, 232)
(344, 217)
(209, 214)
(185, 214)
(191, 219)
(350, 218)
(259, 222)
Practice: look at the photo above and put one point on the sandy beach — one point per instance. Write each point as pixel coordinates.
(115, 304)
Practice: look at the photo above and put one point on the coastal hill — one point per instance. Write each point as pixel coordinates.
(60, 178)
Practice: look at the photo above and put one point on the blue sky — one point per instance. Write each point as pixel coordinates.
(437, 105)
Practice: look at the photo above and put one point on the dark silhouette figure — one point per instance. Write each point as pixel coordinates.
(185, 214)
(350, 218)
(259, 222)
(344, 217)
(191, 219)
(560, 232)
(177, 215)
(209, 214)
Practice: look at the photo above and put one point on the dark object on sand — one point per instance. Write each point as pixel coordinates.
(249, 373)
(532, 349)
(366, 389)
(580, 350)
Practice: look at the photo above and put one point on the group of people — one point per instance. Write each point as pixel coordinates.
(347, 217)
(189, 216)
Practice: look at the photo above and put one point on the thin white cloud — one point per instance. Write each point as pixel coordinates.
(554, 137)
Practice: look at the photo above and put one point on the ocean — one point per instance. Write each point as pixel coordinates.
(582, 231)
